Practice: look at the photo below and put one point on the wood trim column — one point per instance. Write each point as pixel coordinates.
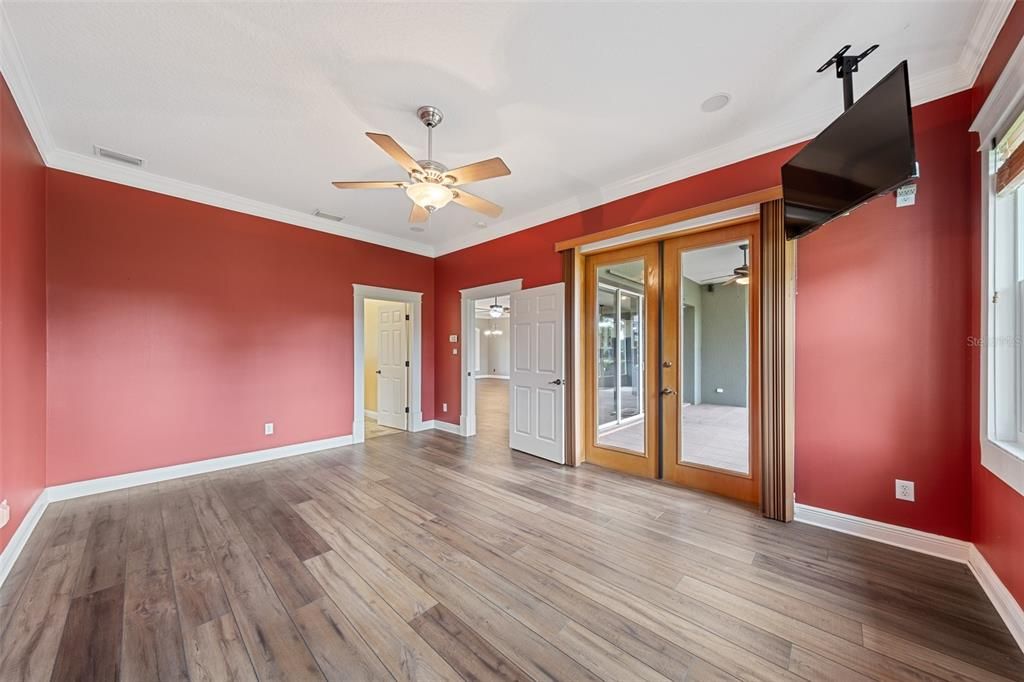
(572, 275)
(778, 355)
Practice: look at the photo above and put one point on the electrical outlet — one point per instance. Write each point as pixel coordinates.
(719, 390)
(455, 351)
(268, 429)
(444, 407)
(905, 490)
(5, 513)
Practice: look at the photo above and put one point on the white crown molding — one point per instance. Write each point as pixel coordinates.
(135, 177)
(983, 35)
(1004, 101)
(925, 88)
(14, 72)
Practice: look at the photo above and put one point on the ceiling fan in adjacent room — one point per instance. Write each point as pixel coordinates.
(431, 185)
(740, 275)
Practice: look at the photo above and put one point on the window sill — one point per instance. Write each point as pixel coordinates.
(1006, 461)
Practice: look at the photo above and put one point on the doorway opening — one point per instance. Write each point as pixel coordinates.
(387, 342)
(387, 350)
(491, 366)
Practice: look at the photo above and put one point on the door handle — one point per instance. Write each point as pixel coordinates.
(556, 382)
(668, 391)
(378, 371)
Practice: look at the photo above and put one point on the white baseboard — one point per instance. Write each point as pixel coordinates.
(109, 483)
(372, 414)
(1008, 608)
(69, 491)
(28, 524)
(449, 428)
(907, 538)
(492, 376)
(926, 543)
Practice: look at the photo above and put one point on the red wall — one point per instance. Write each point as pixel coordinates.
(22, 315)
(882, 360)
(177, 329)
(997, 510)
(882, 314)
(530, 254)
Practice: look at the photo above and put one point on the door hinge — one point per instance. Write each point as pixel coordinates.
(995, 298)
(407, 318)
(407, 410)
(406, 363)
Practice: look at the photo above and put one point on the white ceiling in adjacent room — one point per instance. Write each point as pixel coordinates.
(269, 102)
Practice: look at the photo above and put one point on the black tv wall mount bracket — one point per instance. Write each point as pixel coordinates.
(846, 66)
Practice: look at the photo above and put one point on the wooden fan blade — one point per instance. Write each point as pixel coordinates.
(395, 151)
(481, 170)
(477, 204)
(418, 214)
(376, 184)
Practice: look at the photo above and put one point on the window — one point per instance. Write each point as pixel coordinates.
(1002, 341)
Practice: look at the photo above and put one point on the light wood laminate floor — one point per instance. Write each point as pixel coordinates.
(427, 556)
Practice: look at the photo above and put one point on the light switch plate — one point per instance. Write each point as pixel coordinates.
(268, 429)
(5, 513)
(453, 338)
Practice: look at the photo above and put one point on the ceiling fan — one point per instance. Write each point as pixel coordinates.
(431, 185)
(740, 275)
(497, 310)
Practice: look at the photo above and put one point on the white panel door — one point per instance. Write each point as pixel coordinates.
(537, 387)
(392, 366)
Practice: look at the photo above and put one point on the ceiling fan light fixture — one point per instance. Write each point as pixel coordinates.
(429, 195)
(496, 311)
(743, 280)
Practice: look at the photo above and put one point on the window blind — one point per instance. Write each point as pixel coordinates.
(1010, 158)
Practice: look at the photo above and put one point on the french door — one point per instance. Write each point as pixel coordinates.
(711, 373)
(622, 322)
(672, 360)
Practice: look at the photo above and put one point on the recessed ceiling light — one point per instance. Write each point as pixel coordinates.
(416, 228)
(715, 102)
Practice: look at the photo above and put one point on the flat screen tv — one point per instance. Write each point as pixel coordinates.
(867, 151)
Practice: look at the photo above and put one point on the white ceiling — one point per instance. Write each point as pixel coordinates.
(260, 106)
(712, 262)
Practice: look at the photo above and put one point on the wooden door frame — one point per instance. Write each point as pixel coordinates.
(744, 487)
(641, 464)
(778, 258)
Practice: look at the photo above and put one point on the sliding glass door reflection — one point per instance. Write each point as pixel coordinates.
(620, 356)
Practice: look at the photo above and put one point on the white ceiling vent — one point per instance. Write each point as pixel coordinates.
(330, 216)
(105, 153)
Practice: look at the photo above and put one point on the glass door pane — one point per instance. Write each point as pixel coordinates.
(710, 361)
(621, 343)
(715, 350)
